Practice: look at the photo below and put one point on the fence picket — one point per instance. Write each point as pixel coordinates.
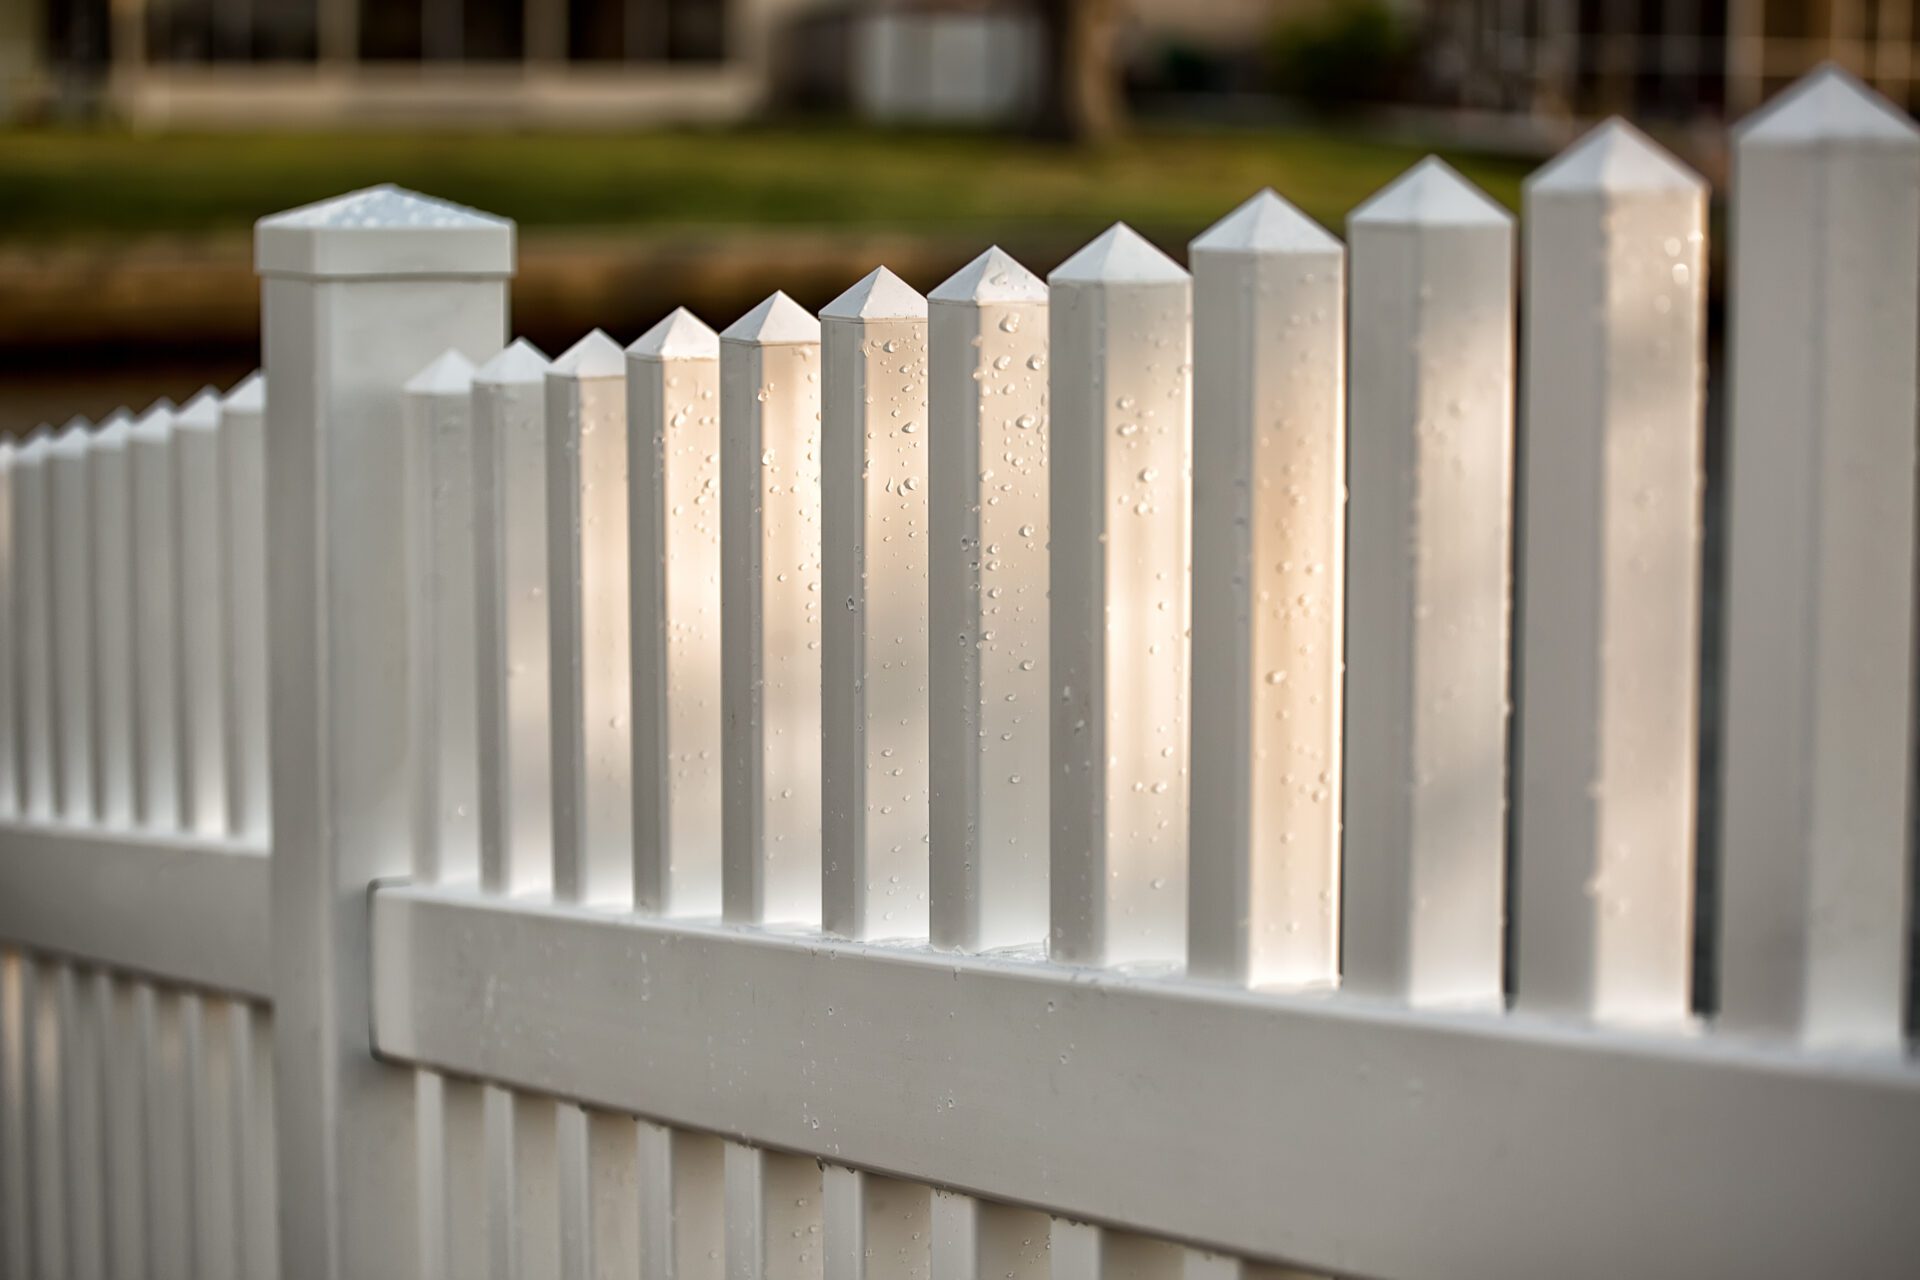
(111, 572)
(70, 521)
(1616, 365)
(1430, 390)
(201, 536)
(10, 747)
(1817, 756)
(168, 1177)
(979, 1240)
(254, 1123)
(1085, 1252)
(209, 1071)
(683, 1204)
(586, 464)
(33, 623)
(16, 1119)
(83, 1086)
(770, 614)
(873, 1227)
(1120, 340)
(243, 470)
(873, 532)
(156, 621)
(987, 572)
(773, 1214)
(126, 1124)
(46, 1118)
(1269, 524)
(673, 508)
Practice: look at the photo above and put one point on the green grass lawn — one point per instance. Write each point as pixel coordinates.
(62, 185)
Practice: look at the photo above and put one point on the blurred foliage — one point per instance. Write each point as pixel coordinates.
(1345, 54)
(60, 185)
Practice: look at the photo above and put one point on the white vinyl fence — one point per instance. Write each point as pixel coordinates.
(1002, 785)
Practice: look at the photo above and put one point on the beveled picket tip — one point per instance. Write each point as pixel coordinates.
(1614, 156)
(680, 336)
(249, 395)
(594, 356)
(1119, 255)
(994, 276)
(154, 422)
(1828, 104)
(778, 321)
(1266, 223)
(519, 364)
(71, 438)
(450, 374)
(383, 231)
(201, 413)
(880, 295)
(1432, 193)
(113, 430)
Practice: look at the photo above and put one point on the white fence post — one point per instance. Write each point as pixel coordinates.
(1269, 537)
(243, 475)
(446, 843)
(1430, 455)
(200, 562)
(1817, 753)
(873, 574)
(359, 293)
(673, 512)
(1121, 436)
(111, 476)
(32, 621)
(70, 522)
(770, 606)
(1609, 659)
(156, 621)
(586, 463)
(987, 573)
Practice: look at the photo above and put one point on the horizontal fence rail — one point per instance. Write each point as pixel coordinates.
(1155, 771)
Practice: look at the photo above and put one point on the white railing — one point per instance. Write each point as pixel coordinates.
(956, 789)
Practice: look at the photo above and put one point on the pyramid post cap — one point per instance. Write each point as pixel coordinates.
(154, 423)
(448, 374)
(383, 231)
(778, 321)
(1119, 255)
(994, 276)
(521, 362)
(1431, 194)
(249, 395)
(1613, 156)
(681, 335)
(1828, 104)
(201, 413)
(879, 295)
(594, 356)
(1266, 223)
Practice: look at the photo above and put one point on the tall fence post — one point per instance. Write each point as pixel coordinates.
(1818, 757)
(358, 294)
(1610, 638)
(1430, 458)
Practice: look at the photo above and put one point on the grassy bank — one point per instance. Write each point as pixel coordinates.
(61, 185)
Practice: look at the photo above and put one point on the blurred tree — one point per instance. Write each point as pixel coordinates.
(1080, 93)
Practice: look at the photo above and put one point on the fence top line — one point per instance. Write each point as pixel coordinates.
(594, 357)
(1828, 105)
(1119, 255)
(681, 335)
(778, 321)
(1264, 223)
(383, 231)
(1432, 193)
(994, 276)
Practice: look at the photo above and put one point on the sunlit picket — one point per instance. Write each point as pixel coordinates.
(1000, 783)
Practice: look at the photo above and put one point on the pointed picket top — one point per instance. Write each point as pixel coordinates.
(155, 422)
(779, 321)
(1119, 255)
(1615, 157)
(202, 413)
(880, 295)
(449, 374)
(521, 362)
(37, 443)
(594, 356)
(383, 231)
(994, 276)
(1430, 194)
(1828, 104)
(249, 395)
(1266, 223)
(681, 336)
(113, 430)
(70, 440)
